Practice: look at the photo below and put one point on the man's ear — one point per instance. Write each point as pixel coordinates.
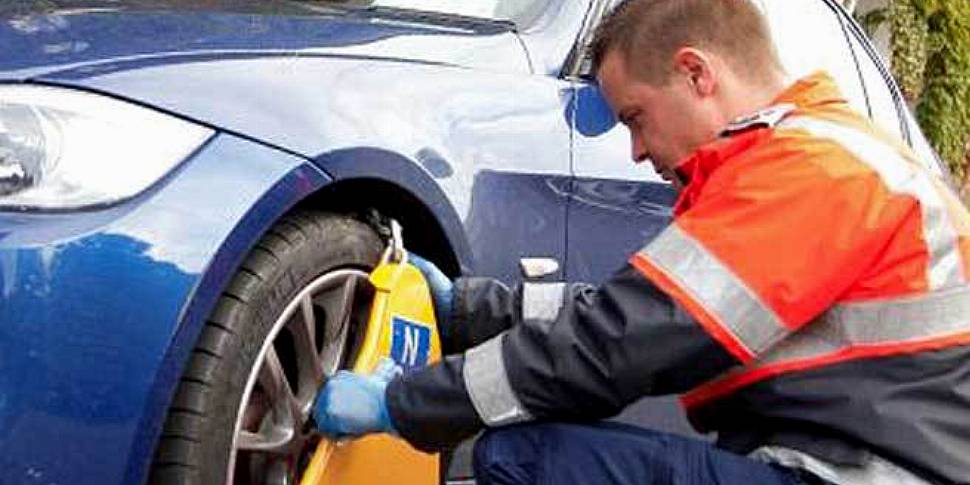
(697, 68)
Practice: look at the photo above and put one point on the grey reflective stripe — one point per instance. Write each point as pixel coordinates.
(488, 385)
(712, 285)
(901, 176)
(899, 321)
(542, 301)
(873, 470)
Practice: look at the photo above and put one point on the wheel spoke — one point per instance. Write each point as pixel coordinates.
(277, 388)
(338, 325)
(303, 328)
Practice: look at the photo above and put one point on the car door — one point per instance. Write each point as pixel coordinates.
(506, 141)
(616, 207)
(518, 196)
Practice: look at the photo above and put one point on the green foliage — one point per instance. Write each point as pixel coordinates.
(911, 47)
(944, 108)
(931, 63)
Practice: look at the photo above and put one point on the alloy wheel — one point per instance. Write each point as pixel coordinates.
(273, 440)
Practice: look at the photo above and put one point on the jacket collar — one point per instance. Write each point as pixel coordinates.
(813, 91)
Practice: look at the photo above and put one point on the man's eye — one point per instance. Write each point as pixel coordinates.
(631, 119)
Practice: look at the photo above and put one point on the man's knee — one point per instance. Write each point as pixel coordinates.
(509, 455)
(613, 453)
(519, 454)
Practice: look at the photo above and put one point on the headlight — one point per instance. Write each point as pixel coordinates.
(67, 149)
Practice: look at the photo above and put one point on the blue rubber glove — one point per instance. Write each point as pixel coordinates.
(352, 405)
(442, 292)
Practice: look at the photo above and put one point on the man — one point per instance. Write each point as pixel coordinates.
(810, 301)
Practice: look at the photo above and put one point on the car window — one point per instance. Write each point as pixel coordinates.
(882, 104)
(810, 37)
(520, 12)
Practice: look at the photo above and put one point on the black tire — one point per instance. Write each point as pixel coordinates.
(197, 438)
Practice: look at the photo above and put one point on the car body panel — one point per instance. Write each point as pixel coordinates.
(344, 94)
(90, 343)
(611, 194)
(272, 77)
(110, 35)
(466, 127)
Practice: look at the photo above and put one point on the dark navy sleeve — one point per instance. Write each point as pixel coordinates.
(482, 309)
(554, 351)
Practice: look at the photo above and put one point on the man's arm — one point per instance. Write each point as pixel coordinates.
(482, 308)
(557, 351)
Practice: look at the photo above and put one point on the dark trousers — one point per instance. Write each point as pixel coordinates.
(612, 453)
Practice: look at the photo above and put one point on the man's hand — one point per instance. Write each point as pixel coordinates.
(352, 405)
(442, 292)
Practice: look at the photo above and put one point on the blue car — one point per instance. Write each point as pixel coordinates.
(191, 194)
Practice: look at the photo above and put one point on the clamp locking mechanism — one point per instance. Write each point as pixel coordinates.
(395, 253)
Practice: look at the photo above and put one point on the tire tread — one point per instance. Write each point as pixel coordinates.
(180, 456)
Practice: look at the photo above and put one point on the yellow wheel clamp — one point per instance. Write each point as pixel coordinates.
(402, 327)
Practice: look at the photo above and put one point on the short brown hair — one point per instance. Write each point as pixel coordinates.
(649, 32)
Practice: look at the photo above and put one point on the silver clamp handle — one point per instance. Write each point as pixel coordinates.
(395, 248)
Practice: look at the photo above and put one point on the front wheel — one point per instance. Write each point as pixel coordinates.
(241, 411)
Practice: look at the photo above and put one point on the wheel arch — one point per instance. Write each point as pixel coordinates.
(397, 187)
(346, 185)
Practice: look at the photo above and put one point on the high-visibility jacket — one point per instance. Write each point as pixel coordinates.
(811, 294)
(823, 249)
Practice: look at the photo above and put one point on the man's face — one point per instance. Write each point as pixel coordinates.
(667, 123)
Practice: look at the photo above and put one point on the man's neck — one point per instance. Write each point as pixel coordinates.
(751, 97)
